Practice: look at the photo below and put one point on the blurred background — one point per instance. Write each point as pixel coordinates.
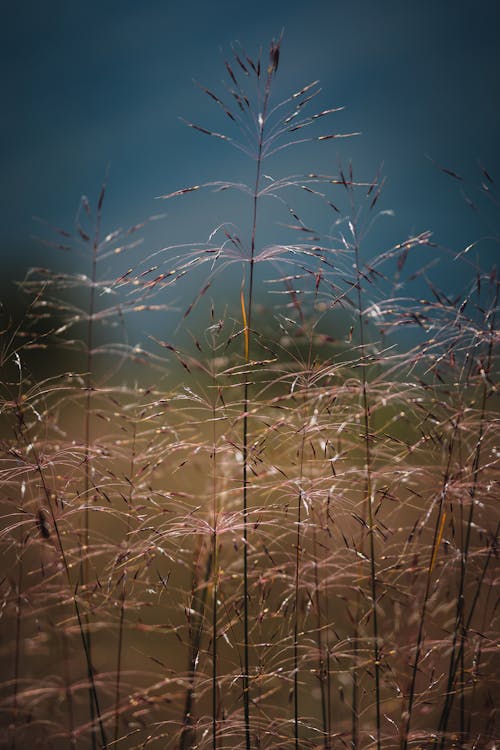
(87, 85)
(94, 88)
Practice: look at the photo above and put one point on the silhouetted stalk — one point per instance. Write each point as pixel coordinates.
(477, 659)
(329, 696)
(89, 384)
(196, 619)
(119, 658)
(215, 594)
(462, 660)
(450, 696)
(355, 678)
(246, 404)
(476, 469)
(298, 543)
(93, 688)
(298, 550)
(323, 671)
(438, 534)
(69, 695)
(246, 686)
(20, 545)
(89, 387)
(462, 688)
(328, 678)
(329, 688)
(368, 495)
(124, 589)
(215, 575)
(17, 653)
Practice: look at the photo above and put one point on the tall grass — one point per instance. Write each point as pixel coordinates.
(284, 534)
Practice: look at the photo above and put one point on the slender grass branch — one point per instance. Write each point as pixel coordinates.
(89, 388)
(368, 496)
(215, 576)
(458, 631)
(123, 593)
(246, 404)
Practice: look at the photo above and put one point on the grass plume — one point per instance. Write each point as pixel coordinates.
(273, 523)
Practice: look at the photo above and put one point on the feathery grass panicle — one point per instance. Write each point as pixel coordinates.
(273, 523)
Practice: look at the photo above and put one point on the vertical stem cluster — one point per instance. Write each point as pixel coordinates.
(93, 697)
(460, 627)
(438, 533)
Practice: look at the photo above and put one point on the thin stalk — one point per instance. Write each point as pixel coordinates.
(462, 660)
(246, 403)
(296, 613)
(214, 646)
(92, 688)
(246, 696)
(88, 405)
(197, 607)
(355, 679)
(322, 667)
(215, 586)
(124, 591)
(17, 653)
(298, 550)
(119, 658)
(476, 662)
(89, 387)
(462, 686)
(69, 696)
(369, 499)
(21, 426)
(329, 696)
(438, 533)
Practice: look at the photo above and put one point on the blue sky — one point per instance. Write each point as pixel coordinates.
(87, 84)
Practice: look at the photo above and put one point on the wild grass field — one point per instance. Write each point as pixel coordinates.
(280, 532)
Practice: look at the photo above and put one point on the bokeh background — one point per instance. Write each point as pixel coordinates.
(90, 88)
(86, 85)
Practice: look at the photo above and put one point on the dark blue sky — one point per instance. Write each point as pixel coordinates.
(85, 84)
